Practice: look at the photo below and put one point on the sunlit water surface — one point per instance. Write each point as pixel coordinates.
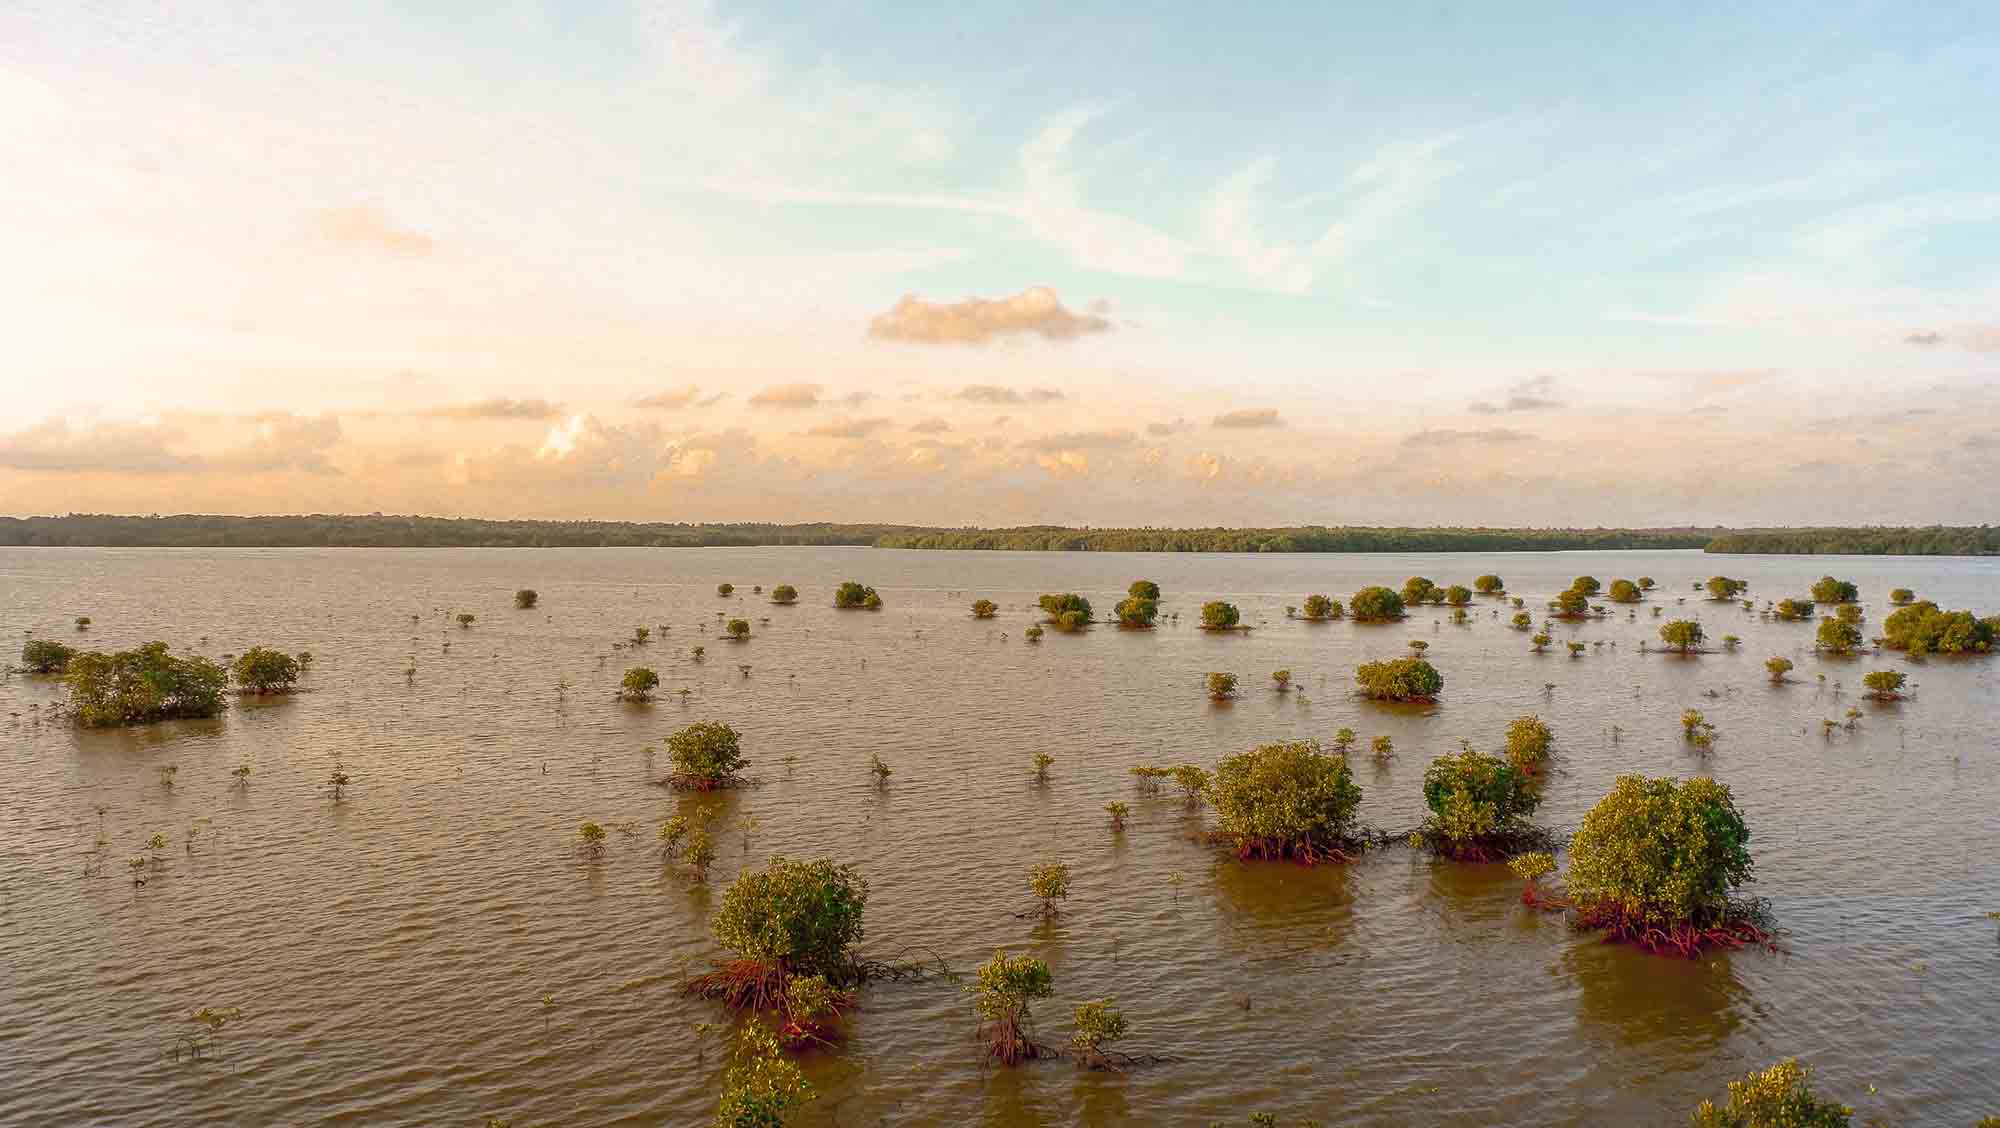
(390, 952)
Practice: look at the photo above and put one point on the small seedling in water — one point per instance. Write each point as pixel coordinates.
(878, 769)
(1117, 811)
(1042, 762)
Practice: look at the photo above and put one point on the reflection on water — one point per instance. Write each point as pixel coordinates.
(391, 951)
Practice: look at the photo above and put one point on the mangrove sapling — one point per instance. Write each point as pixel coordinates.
(1902, 597)
(641, 635)
(466, 619)
(1417, 647)
(212, 1021)
(1571, 604)
(1489, 584)
(83, 622)
(337, 782)
(788, 919)
(1049, 881)
(1522, 621)
(1217, 615)
(1778, 1097)
(1383, 749)
(1042, 762)
(1624, 591)
(762, 1086)
(725, 590)
(1683, 636)
(1730, 642)
(698, 654)
(984, 608)
(1458, 595)
(1343, 740)
(167, 774)
(1289, 800)
(1146, 778)
(784, 595)
(1837, 636)
(590, 840)
(1576, 649)
(526, 598)
(1480, 806)
(705, 756)
(1654, 864)
(1531, 868)
(851, 595)
(1884, 685)
(1137, 612)
(1375, 604)
(240, 774)
(1221, 686)
(1778, 668)
(739, 629)
(878, 769)
(638, 684)
(1005, 987)
(262, 670)
(1192, 779)
(1319, 608)
(1793, 610)
(1117, 811)
(1399, 679)
(1539, 643)
(1281, 680)
(1725, 590)
(699, 853)
(1032, 634)
(45, 657)
(1530, 743)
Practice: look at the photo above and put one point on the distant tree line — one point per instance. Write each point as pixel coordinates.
(1935, 540)
(380, 531)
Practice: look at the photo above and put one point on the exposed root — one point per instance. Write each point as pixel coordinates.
(1305, 852)
(1008, 1043)
(1741, 927)
(1115, 1061)
(680, 781)
(743, 984)
(906, 969)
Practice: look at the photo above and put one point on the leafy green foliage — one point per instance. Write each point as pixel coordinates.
(130, 687)
(1219, 616)
(1374, 604)
(1318, 607)
(638, 684)
(1778, 1097)
(762, 1085)
(1624, 591)
(739, 628)
(1221, 686)
(1489, 584)
(1902, 596)
(1137, 611)
(1522, 621)
(1588, 585)
(1778, 668)
(1884, 685)
(1921, 628)
(1682, 635)
(1724, 588)
(1458, 595)
(705, 754)
(526, 598)
(1098, 1024)
(784, 593)
(1050, 883)
(1572, 602)
(1144, 589)
(1479, 805)
(261, 669)
(1289, 800)
(984, 608)
(1399, 679)
(1530, 742)
(46, 657)
(1419, 590)
(1066, 608)
(1793, 610)
(800, 917)
(1830, 590)
(1005, 986)
(1660, 853)
(851, 595)
(1837, 636)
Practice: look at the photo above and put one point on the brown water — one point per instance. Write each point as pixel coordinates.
(390, 952)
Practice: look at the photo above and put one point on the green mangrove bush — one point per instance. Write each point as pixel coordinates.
(1289, 800)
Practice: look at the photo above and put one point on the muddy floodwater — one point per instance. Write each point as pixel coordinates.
(391, 953)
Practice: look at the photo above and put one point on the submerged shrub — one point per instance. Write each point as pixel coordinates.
(638, 684)
(1050, 883)
(1921, 628)
(1837, 636)
(1221, 686)
(1901, 596)
(1655, 860)
(1137, 611)
(1098, 1024)
(1289, 800)
(1522, 621)
(984, 608)
(1458, 595)
(1005, 986)
(1399, 679)
(1480, 806)
(1884, 685)
(1830, 590)
(1778, 1097)
(1624, 591)
(739, 629)
(1375, 604)
(1682, 635)
(1572, 603)
(1219, 616)
(130, 687)
(725, 590)
(799, 918)
(526, 598)
(261, 669)
(851, 595)
(1529, 742)
(762, 1085)
(1724, 588)
(1144, 589)
(1066, 611)
(784, 593)
(1778, 668)
(1793, 610)
(466, 619)
(705, 755)
(1489, 584)
(46, 657)
(1319, 607)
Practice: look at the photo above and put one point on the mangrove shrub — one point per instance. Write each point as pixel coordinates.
(1399, 679)
(851, 595)
(1655, 862)
(46, 657)
(705, 755)
(130, 687)
(1829, 590)
(1778, 1097)
(1319, 607)
(1006, 985)
(1219, 616)
(784, 593)
(1921, 628)
(526, 598)
(1480, 806)
(1289, 800)
(1489, 584)
(984, 608)
(1682, 635)
(261, 669)
(1624, 591)
(1375, 604)
(1137, 611)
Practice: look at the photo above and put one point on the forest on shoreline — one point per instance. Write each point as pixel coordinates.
(380, 531)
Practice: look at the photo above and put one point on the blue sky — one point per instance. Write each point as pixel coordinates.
(1543, 241)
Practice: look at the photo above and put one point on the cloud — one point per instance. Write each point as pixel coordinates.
(977, 321)
(1720, 380)
(856, 399)
(275, 442)
(1924, 337)
(499, 407)
(1248, 418)
(366, 227)
(674, 399)
(787, 395)
(847, 428)
(1514, 403)
(994, 393)
(1053, 209)
(1485, 436)
(931, 426)
(1079, 440)
(1162, 430)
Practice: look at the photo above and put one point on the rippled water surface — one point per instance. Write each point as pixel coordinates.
(390, 952)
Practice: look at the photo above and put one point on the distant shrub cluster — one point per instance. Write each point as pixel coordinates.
(146, 684)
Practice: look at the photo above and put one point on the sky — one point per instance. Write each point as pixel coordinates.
(1549, 264)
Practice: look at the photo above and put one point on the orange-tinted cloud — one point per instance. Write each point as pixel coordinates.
(976, 321)
(1248, 418)
(788, 396)
(367, 227)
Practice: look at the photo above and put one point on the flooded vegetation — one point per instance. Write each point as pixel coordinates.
(440, 836)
